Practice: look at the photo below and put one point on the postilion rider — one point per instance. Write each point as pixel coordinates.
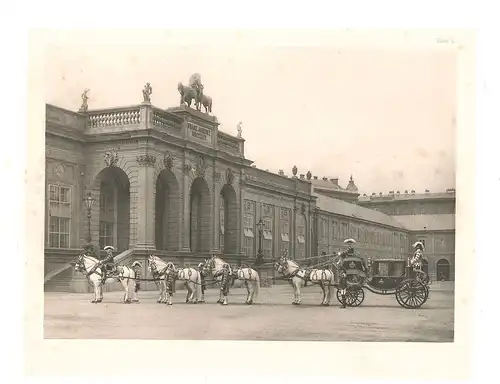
(108, 262)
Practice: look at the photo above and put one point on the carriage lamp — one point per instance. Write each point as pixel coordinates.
(260, 255)
(89, 202)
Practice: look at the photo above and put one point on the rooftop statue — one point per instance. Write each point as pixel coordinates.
(239, 129)
(85, 106)
(146, 93)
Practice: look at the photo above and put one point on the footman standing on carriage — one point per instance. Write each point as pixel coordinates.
(418, 255)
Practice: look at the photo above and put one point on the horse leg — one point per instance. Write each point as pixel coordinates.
(95, 292)
(252, 292)
(299, 299)
(186, 285)
(324, 294)
(247, 301)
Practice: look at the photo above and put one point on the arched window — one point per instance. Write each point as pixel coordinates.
(443, 270)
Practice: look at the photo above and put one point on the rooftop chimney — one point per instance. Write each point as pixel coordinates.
(427, 191)
(302, 175)
(281, 172)
(398, 192)
(406, 191)
(315, 177)
(412, 191)
(325, 178)
(391, 192)
(335, 181)
(380, 194)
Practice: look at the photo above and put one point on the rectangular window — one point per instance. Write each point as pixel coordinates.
(268, 238)
(285, 236)
(59, 216)
(301, 237)
(248, 232)
(105, 234)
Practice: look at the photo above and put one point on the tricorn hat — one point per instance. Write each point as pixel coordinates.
(109, 247)
(349, 241)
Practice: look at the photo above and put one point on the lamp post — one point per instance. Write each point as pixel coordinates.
(89, 202)
(260, 255)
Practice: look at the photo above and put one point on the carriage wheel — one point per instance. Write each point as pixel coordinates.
(412, 294)
(353, 297)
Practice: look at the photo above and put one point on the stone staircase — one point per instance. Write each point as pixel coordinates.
(60, 282)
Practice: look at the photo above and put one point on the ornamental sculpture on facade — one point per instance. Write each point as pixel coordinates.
(146, 93)
(85, 106)
(229, 176)
(111, 158)
(200, 167)
(146, 160)
(294, 170)
(168, 161)
(194, 92)
(309, 175)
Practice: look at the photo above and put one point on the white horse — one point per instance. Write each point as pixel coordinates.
(158, 276)
(166, 271)
(250, 277)
(298, 276)
(126, 276)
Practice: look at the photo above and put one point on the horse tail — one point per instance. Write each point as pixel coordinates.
(198, 286)
(257, 284)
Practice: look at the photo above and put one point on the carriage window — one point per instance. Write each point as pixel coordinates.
(59, 216)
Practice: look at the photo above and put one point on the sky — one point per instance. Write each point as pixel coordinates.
(385, 116)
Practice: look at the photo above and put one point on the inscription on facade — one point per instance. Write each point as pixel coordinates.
(200, 133)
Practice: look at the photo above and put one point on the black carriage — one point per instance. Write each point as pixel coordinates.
(385, 277)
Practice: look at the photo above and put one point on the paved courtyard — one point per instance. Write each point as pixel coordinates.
(379, 318)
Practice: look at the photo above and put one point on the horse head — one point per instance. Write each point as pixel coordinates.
(152, 267)
(80, 264)
(208, 265)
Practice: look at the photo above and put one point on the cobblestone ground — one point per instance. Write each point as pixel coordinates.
(379, 318)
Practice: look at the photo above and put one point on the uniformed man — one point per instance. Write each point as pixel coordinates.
(136, 267)
(107, 262)
(203, 286)
(418, 255)
(225, 280)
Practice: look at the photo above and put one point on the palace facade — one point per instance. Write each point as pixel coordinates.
(168, 182)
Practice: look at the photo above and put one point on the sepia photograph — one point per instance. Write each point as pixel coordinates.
(288, 193)
(293, 191)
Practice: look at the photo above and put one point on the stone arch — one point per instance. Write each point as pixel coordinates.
(228, 219)
(112, 208)
(167, 211)
(443, 270)
(200, 216)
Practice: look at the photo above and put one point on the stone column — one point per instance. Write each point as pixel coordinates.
(145, 214)
(185, 208)
(216, 218)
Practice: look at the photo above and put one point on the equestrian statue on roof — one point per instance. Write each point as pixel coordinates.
(194, 91)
